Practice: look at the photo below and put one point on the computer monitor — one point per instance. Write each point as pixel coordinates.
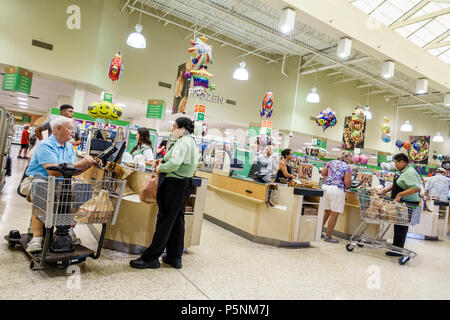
(255, 171)
(117, 156)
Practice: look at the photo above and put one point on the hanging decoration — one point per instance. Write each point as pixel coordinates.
(267, 105)
(115, 67)
(417, 146)
(407, 145)
(200, 78)
(418, 152)
(116, 112)
(399, 143)
(201, 52)
(326, 118)
(104, 110)
(386, 131)
(92, 110)
(356, 159)
(354, 129)
(363, 159)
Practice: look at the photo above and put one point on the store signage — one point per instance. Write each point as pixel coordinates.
(107, 96)
(207, 96)
(155, 109)
(199, 112)
(17, 79)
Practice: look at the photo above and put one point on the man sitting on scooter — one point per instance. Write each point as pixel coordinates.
(54, 151)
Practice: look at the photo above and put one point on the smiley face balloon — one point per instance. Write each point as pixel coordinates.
(104, 110)
(92, 110)
(116, 112)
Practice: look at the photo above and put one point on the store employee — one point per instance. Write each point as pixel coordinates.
(144, 145)
(266, 159)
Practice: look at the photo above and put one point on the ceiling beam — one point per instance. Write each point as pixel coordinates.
(335, 65)
(424, 17)
(436, 43)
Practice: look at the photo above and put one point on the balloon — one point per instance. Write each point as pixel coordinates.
(104, 109)
(326, 118)
(205, 129)
(356, 158)
(92, 110)
(201, 52)
(115, 67)
(386, 137)
(116, 112)
(267, 105)
(417, 146)
(407, 145)
(399, 143)
(358, 115)
(386, 127)
(200, 77)
(363, 159)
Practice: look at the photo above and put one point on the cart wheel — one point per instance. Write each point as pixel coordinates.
(403, 260)
(350, 247)
(31, 265)
(360, 245)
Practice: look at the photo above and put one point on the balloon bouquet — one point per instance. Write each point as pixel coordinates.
(326, 118)
(201, 56)
(353, 132)
(386, 131)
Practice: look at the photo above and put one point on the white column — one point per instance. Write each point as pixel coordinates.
(78, 97)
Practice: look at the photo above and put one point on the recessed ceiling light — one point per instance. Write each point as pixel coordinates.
(23, 107)
(23, 103)
(22, 93)
(23, 99)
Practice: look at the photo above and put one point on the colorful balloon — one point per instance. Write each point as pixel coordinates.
(363, 159)
(417, 146)
(386, 137)
(356, 158)
(201, 52)
(386, 129)
(105, 109)
(200, 77)
(267, 105)
(115, 67)
(399, 143)
(326, 118)
(116, 112)
(407, 145)
(92, 110)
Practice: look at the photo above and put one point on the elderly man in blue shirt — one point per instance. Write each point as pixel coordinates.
(54, 151)
(437, 186)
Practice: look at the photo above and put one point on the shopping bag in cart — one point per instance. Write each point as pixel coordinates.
(99, 209)
(415, 215)
(373, 210)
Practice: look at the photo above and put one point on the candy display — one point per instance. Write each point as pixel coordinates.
(201, 52)
(326, 118)
(115, 67)
(267, 105)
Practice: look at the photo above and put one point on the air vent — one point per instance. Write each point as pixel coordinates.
(33, 97)
(43, 45)
(232, 102)
(10, 95)
(165, 85)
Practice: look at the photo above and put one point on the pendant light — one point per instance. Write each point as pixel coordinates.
(137, 39)
(406, 127)
(241, 73)
(438, 137)
(313, 96)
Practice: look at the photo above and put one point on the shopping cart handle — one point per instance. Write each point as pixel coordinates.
(66, 169)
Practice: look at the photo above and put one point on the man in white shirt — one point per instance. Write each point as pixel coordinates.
(268, 162)
(437, 186)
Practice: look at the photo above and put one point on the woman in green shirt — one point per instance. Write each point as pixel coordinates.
(405, 188)
(174, 187)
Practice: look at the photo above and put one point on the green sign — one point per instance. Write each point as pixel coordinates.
(155, 109)
(200, 116)
(17, 79)
(107, 96)
(254, 131)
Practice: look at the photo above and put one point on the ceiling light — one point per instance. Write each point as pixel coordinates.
(241, 73)
(313, 96)
(387, 69)
(344, 48)
(23, 107)
(136, 39)
(438, 138)
(287, 20)
(367, 113)
(23, 103)
(25, 94)
(422, 86)
(23, 99)
(406, 127)
(447, 100)
(121, 105)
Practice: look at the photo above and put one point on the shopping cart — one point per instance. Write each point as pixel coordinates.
(380, 210)
(63, 202)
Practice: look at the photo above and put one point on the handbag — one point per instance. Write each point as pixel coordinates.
(148, 193)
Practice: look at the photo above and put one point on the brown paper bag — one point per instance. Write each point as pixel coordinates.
(148, 193)
(98, 209)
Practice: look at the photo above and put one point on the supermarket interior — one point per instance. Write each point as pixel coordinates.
(319, 164)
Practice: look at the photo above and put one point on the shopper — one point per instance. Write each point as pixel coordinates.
(338, 176)
(161, 152)
(24, 143)
(175, 186)
(144, 145)
(266, 159)
(54, 151)
(405, 188)
(284, 169)
(66, 111)
(437, 186)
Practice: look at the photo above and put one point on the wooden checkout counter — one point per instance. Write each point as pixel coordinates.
(136, 220)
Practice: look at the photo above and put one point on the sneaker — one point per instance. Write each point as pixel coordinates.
(330, 239)
(35, 244)
(75, 241)
(19, 157)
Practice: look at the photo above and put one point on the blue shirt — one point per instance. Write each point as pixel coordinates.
(437, 186)
(50, 150)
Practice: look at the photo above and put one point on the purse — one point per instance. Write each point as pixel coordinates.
(148, 193)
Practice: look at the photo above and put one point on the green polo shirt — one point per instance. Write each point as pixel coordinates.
(181, 159)
(409, 178)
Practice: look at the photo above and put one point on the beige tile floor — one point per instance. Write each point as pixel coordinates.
(225, 266)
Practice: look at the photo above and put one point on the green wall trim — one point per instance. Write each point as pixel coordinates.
(84, 116)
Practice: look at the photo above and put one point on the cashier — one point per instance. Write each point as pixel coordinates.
(144, 145)
(284, 169)
(405, 188)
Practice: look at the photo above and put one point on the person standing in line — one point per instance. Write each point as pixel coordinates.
(437, 186)
(337, 175)
(284, 169)
(174, 187)
(24, 143)
(406, 188)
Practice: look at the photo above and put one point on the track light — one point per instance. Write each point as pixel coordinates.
(406, 127)
(438, 138)
(241, 73)
(287, 20)
(387, 69)
(344, 48)
(313, 96)
(422, 86)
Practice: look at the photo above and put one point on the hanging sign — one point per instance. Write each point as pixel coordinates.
(199, 112)
(207, 96)
(155, 109)
(107, 96)
(17, 79)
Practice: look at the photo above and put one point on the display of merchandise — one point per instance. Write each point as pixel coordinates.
(6, 136)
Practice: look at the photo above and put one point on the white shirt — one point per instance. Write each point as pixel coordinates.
(269, 162)
(148, 154)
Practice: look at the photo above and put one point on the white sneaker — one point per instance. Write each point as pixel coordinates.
(75, 241)
(35, 244)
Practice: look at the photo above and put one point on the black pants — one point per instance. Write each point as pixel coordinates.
(169, 233)
(400, 233)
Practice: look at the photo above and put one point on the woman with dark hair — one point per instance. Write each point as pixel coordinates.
(284, 169)
(161, 152)
(144, 144)
(175, 185)
(405, 188)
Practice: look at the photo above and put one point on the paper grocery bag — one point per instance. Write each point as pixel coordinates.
(148, 193)
(98, 209)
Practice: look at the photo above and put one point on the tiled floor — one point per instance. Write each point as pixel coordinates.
(225, 266)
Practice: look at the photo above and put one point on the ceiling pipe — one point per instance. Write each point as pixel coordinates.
(282, 66)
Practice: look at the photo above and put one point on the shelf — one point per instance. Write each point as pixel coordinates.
(310, 202)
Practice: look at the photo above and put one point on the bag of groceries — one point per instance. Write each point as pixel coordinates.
(99, 209)
(373, 211)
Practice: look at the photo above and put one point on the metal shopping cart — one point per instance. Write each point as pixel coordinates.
(63, 202)
(380, 210)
